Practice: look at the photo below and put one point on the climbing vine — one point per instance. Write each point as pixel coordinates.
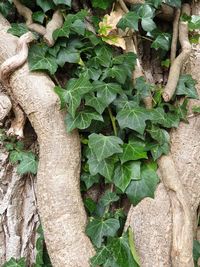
(122, 137)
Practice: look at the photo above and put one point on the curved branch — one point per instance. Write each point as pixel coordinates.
(180, 60)
(175, 35)
(58, 189)
(55, 23)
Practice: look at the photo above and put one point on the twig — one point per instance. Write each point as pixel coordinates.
(180, 60)
(175, 35)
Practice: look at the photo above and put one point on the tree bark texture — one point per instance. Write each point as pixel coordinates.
(58, 192)
(153, 220)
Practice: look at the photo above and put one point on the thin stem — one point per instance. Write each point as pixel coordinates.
(56, 80)
(112, 118)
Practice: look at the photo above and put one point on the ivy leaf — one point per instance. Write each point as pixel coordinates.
(129, 20)
(125, 173)
(45, 4)
(95, 102)
(39, 59)
(108, 198)
(104, 167)
(148, 24)
(104, 146)
(133, 151)
(38, 16)
(18, 29)
(107, 92)
(78, 26)
(146, 13)
(15, 156)
(119, 73)
(101, 256)
(103, 55)
(143, 88)
(196, 252)
(82, 120)
(67, 55)
(5, 8)
(103, 4)
(194, 23)
(174, 3)
(97, 229)
(186, 86)
(159, 134)
(62, 2)
(15, 263)
(28, 163)
(145, 187)
(196, 109)
(157, 150)
(133, 118)
(89, 179)
(162, 41)
(76, 88)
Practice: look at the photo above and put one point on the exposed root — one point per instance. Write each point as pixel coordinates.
(180, 60)
(175, 35)
(182, 243)
(5, 106)
(27, 14)
(55, 23)
(6, 70)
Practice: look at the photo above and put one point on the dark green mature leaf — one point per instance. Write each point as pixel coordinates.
(39, 59)
(146, 13)
(107, 92)
(125, 173)
(5, 8)
(159, 134)
(38, 16)
(90, 205)
(186, 86)
(104, 146)
(15, 263)
(133, 118)
(162, 41)
(104, 55)
(145, 187)
(157, 150)
(126, 61)
(63, 2)
(28, 163)
(97, 229)
(134, 150)
(104, 167)
(148, 24)
(196, 252)
(119, 73)
(82, 120)
(143, 88)
(95, 102)
(103, 4)
(18, 29)
(76, 88)
(101, 256)
(45, 4)
(67, 55)
(89, 179)
(108, 197)
(129, 20)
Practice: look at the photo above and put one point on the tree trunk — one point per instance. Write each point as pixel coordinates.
(153, 220)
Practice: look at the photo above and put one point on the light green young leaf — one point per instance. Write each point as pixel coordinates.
(62, 2)
(28, 163)
(15, 263)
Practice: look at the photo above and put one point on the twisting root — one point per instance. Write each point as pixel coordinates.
(182, 243)
(180, 60)
(27, 14)
(6, 69)
(175, 35)
(55, 23)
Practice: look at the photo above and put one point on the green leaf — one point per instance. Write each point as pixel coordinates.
(145, 187)
(131, 239)
(125, 173)
(28, 163)
(89, 179)
(62, 2)
(196, 109)
(162, 41)
(67, 55)
(76, 88)
(159, 134)
(148, 24)
(78, 26)
(119, 73)
(39, 59)
(143, 88)
(90, 205)
(174, 3)
(196, 251)
(38, 16)
(18, 29)
(186, 86)
(104, 146)
(15, 263)
(158, 150)
(108, 198)
(133, 118)
(129, 20)
(5, 8)
(194, 23)
(103, 55)
(107, 92)
(104, 167)
(95, 102)
(45, 4)
(82, 120)
(15, 156)
(97, 229)
(103, 4)
(134, 150)
(101, 256)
